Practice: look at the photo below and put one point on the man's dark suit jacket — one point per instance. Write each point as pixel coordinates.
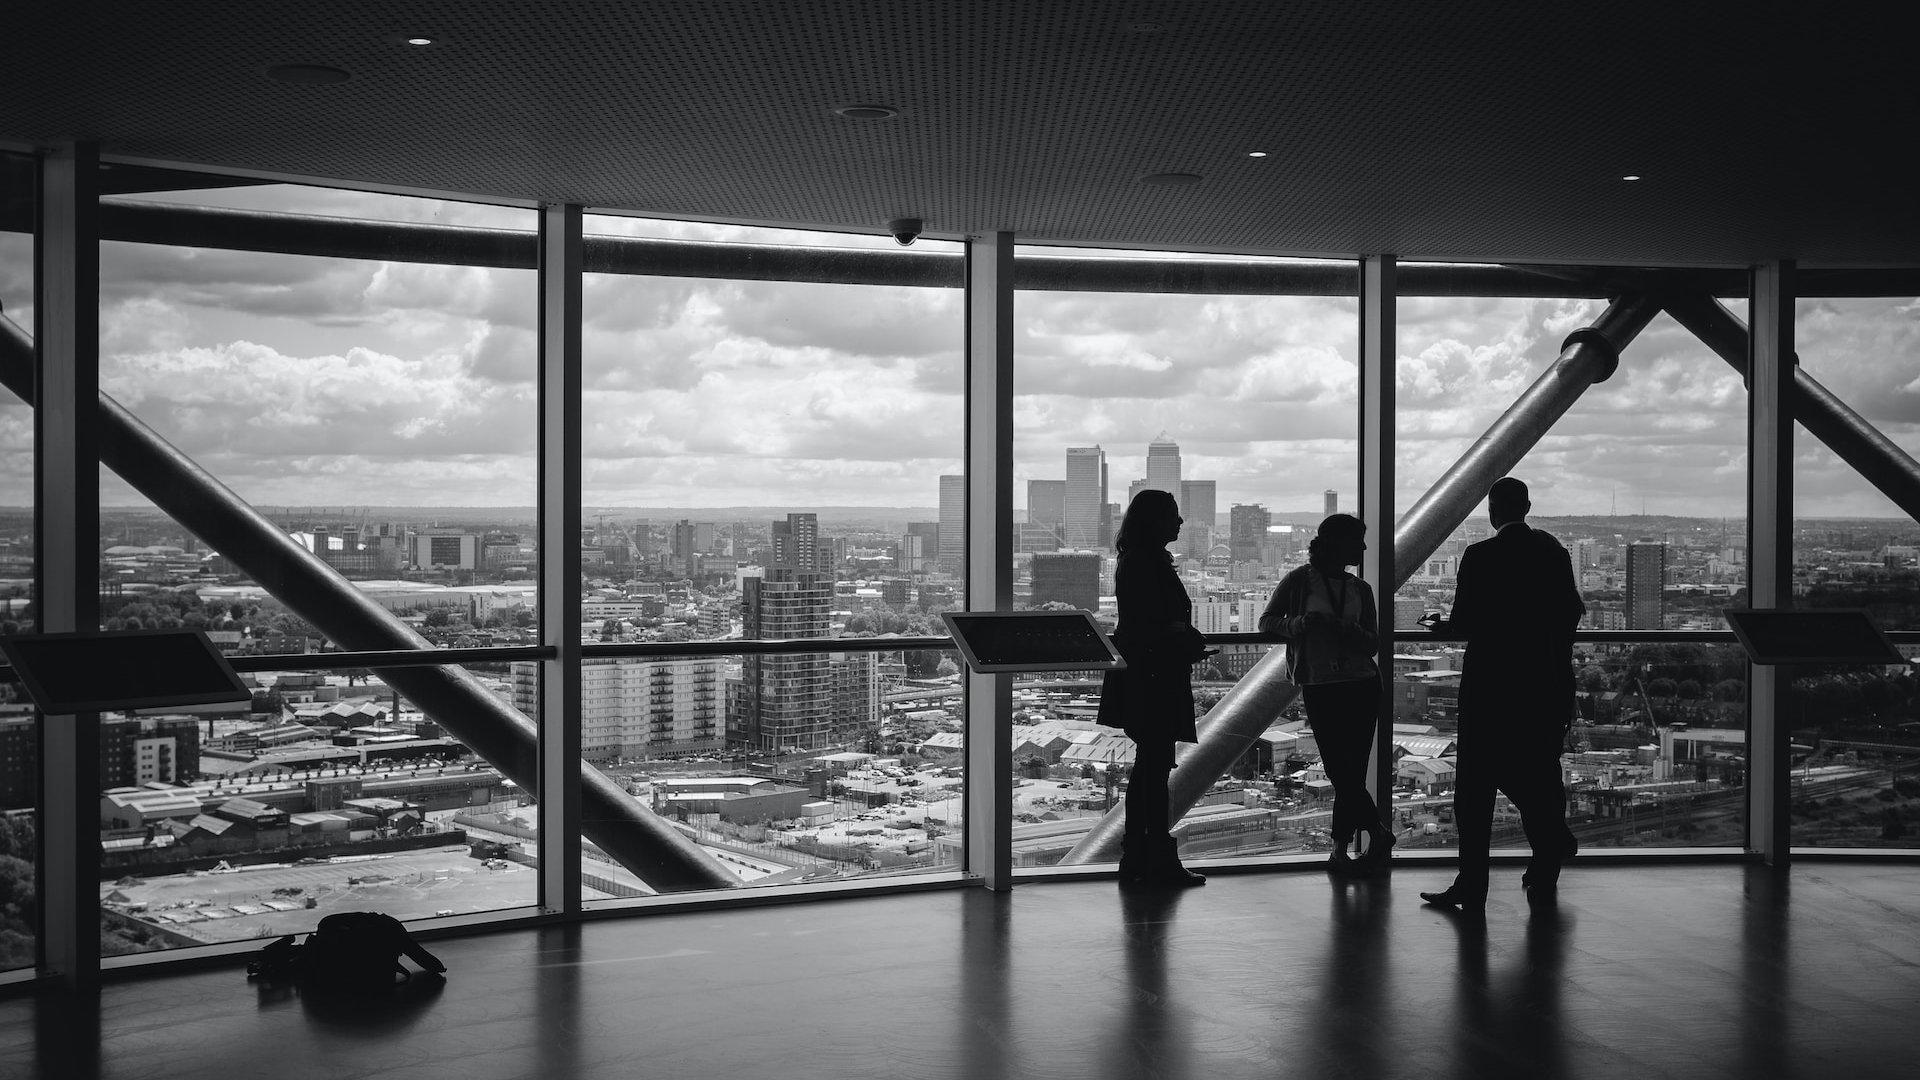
(1517, 604)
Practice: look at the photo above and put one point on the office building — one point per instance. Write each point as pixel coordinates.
(1646, 578)
(1086, 512)
(1247, 531)
(1067, 577)
(1198, 509)
(1163, 466)
(1329, 503)
(443, 551)
(953, 525)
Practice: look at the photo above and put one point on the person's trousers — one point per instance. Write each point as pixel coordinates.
(1527, 770)
(1342, 716)
(1148, 805)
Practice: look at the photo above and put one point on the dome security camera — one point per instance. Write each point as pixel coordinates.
(905, 230)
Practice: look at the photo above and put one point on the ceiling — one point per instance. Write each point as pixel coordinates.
(1479, 129)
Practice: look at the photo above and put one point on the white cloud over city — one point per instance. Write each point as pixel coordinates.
(313, 381)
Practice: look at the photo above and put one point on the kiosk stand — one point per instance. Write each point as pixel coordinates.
(71, 679)
(1010, 641)
(1824, 636)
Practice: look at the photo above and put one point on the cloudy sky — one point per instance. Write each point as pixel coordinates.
(316, 381)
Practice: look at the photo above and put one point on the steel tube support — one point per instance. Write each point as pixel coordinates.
(1849, 435)
(644, 843)
(1589, 356)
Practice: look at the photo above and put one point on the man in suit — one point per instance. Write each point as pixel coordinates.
(1517, 605)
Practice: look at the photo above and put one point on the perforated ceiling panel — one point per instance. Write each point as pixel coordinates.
(1478, 129)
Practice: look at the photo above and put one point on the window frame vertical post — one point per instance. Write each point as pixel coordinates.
(1378, 295)
(560, 262)
(66, 467)
(1769, 547)
(989, 552)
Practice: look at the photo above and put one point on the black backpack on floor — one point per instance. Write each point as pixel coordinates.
(350, 951)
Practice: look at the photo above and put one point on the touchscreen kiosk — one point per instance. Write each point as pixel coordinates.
(995, 641)
(131, 670)
(1832, 636)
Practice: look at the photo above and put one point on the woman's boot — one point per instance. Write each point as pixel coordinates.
(1167, 869)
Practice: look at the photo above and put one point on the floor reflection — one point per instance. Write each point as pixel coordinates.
(1149, 1035)
(1345, 1035)
(1509, 1015)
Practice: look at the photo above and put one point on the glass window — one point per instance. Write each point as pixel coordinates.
(763, 459)
(1245, 408)
(336, 792)
(380, 413)
(889, 802)
(1643, 481)
(1856, 762)
(19, 731)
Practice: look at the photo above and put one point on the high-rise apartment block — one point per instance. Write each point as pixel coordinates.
(953, 525)
(631, 707)
(797, 543)
(785, 700)
(1086, 511)
(1646, 574)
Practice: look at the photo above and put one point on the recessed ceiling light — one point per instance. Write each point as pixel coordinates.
(307, 74)
(1256, 153)
(419, 41)
(867, 112)
(1631, 176)
(1171, 179)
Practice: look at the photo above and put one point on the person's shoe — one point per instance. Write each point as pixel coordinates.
(1167, 869)
(1379, 856)
(1456, 897)
(1341, 864)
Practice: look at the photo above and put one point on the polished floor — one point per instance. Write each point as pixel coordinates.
(1681, 971)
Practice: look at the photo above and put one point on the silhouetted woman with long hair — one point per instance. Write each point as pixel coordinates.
(1328, 619)
(1152, 697)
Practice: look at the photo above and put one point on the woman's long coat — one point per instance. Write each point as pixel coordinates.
(1152, 697)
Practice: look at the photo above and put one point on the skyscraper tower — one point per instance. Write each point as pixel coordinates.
(796, 543)
(1646, 573)
(1329, 503)
(1199, 507)
(1086, 497)
(1163, 465)
(1247, 528)
(787, 702)
(953, 524)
